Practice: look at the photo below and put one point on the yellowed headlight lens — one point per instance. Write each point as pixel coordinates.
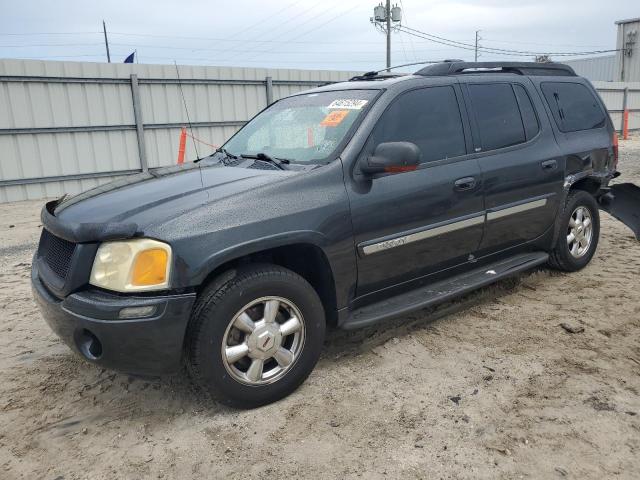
(150, 268)
(134, 265)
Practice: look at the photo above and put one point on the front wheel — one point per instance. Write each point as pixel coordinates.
(579, 232)
(255, 338)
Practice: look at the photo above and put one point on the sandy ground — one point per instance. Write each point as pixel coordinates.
(486, 387)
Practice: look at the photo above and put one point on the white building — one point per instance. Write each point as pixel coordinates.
(623, 66)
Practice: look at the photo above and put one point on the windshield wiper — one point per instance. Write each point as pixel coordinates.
(278, 162)
(224, 160)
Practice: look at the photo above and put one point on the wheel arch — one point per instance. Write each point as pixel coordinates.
(300, 255)
(581, 181)
(588, 184)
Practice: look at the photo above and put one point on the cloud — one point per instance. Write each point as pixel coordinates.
(330, 34)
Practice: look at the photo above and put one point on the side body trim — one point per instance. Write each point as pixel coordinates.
(523, 207)
(398, 240)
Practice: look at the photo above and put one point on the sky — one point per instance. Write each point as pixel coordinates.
(306, 34)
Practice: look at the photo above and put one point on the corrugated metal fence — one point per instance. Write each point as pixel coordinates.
(69, 126)
(619, 96)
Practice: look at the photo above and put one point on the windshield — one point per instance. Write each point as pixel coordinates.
(304, 128)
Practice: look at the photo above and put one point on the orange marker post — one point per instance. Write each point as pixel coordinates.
(310, 141)
(625, 124)
(183, 144)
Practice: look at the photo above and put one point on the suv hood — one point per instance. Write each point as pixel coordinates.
(128, 205)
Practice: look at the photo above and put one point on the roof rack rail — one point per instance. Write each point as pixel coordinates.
(374, 76)
(519, 68)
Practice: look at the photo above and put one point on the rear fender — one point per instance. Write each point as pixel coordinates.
(571, 182)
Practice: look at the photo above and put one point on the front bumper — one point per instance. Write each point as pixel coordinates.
(88, 323)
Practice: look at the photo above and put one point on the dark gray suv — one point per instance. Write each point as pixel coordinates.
(343, 205)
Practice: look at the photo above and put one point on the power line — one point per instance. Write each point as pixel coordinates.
(543, 44)
(52, 45)
(313, 17)
(50, 33)
(404, 14)
(262, 21)
(198, 38)
(335, 17)
(290, 19)
(470, 47)
(504, 50)
(294, 52)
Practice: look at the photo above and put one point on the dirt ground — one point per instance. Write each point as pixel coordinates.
(486, 387)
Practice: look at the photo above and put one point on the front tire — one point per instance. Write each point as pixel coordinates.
(579, 232)
(254, 338)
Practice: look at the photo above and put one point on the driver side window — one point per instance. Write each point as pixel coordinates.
(429, 118)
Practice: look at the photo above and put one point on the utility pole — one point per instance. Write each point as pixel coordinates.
(106, 41)
(388, 33)
(477, 40)
(386, 19)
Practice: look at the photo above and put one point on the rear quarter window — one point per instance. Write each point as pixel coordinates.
(529, 118)
(573, 106)
(497, 115)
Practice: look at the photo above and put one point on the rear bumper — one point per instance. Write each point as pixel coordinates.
(88, 323)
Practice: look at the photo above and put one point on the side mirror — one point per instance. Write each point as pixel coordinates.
(392, 157)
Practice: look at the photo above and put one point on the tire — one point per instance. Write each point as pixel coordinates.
(270, 296)
(565, 255)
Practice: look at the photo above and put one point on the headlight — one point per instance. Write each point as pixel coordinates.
(132, 265)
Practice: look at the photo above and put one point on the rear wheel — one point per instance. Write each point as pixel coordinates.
(579, 232)
(255, 338)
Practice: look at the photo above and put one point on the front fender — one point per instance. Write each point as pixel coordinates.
(192, 270)
(256, 245)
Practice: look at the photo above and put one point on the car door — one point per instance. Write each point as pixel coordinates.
(522, 169)
(407, 225)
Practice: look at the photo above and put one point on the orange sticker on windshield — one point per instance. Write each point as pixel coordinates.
(334, 118)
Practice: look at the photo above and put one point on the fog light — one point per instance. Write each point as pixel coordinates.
(137, 312)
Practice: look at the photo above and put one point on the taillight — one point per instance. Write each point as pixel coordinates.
(615, 150)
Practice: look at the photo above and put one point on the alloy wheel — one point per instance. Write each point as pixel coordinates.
(580, 232)
(263, 341)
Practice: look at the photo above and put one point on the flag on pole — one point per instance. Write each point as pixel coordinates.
(129, 59)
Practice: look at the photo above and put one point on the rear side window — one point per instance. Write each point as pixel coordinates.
(497, 115)
(529, 118)
(428, 117)
(574, 107)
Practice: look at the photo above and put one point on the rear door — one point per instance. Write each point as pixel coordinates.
(520, 161)
(583, 129)
(408, 225)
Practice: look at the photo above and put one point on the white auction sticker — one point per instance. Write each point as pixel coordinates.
(348, 103)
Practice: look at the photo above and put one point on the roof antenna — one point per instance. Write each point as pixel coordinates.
(195, 146)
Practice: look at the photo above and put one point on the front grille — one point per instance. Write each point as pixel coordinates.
(56, 252)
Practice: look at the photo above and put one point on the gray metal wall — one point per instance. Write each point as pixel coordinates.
(620, 95)
(69, 126)
(595, 68)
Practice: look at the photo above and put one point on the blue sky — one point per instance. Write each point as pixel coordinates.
(328, 34)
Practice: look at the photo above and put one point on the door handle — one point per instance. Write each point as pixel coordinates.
(466, 183)
(549, 165)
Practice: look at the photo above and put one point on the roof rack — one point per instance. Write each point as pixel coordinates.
(374, 76)
(519, 68)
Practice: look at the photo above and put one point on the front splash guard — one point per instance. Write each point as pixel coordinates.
(622, 201)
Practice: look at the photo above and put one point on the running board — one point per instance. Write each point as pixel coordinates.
(443, 291)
